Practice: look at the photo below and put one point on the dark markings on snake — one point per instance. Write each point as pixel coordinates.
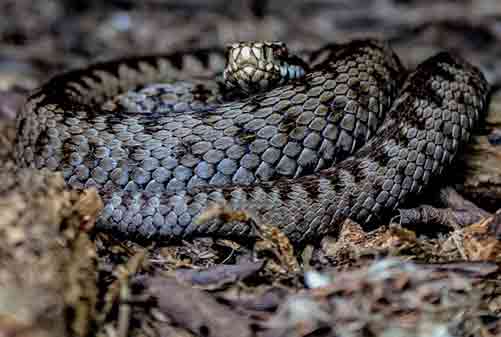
(288, 123)
(176, 60)
(284, 189)
(203, 57)
(201, 93)
(311, 187)
(380, 80)
(357, 169)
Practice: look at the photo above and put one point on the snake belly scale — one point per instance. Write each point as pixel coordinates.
(351, 138)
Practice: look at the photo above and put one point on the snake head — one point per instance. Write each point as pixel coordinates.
(253, 67)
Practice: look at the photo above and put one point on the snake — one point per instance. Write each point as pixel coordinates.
(299, 144)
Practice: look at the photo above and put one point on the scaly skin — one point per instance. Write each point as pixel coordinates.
(278, 155)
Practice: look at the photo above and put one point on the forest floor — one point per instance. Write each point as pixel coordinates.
(437, 279)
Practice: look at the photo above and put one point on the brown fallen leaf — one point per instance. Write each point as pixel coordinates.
(196, 310)
(481, 242)
(220, 275)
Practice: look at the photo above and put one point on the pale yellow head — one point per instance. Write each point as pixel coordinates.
(259, 66)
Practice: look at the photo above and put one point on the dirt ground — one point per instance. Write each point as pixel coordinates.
(437, 279)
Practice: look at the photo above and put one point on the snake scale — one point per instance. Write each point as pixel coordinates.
(353, 138)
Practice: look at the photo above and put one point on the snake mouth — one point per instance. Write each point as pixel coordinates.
(251, 77)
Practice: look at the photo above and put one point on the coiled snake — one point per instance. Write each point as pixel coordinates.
(281, 155)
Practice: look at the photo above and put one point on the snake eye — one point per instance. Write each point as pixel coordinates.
(280, 51)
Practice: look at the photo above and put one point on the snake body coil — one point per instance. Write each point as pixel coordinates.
(277, 155)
